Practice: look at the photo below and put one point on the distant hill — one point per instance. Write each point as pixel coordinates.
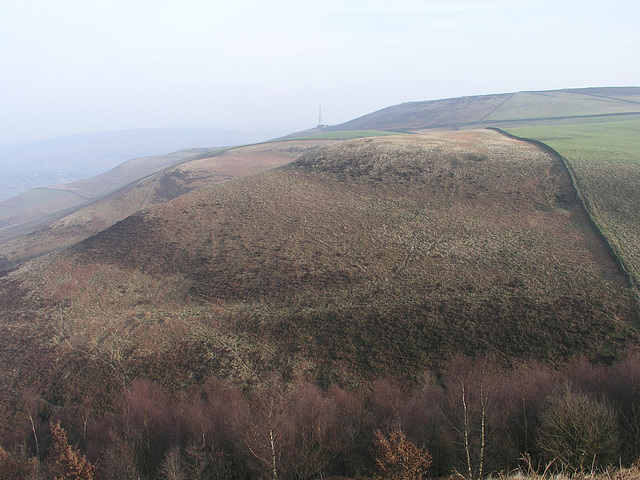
(554, 106)
(67, 159)
(34, 210)
(31, 210)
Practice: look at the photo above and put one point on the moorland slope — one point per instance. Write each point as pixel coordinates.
(605, 161)
(67, 159)
(33, 209)
(47, 220)
(369, 257)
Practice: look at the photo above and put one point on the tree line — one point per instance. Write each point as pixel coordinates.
(475, 418)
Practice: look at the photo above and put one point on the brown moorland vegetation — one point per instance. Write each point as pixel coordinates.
(606, 167)
(114, 202)
(27, 208)
(362, 259)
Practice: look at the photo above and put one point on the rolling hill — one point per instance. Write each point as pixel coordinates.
(26, 221)
(48, 219)
(369, 257)
(33, 209)
(68, 159)
(335, 258)
(513, 109)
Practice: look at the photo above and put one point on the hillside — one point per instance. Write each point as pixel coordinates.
(30, 210)
(67, 159)
(368, 257)
(46, 220)
(512, 109)
(605, 161)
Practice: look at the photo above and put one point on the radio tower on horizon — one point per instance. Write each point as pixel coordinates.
(320, 125)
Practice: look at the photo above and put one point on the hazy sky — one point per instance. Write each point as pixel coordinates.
(72, 66)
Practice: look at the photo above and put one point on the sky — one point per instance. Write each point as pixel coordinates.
(75, 66)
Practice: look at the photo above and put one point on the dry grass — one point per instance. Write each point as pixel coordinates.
(632, 473)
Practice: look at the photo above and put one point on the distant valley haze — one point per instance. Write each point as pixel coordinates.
(66, 159)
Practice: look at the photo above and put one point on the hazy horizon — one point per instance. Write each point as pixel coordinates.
(74, 67)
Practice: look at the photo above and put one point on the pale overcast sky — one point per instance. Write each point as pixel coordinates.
(73, 66)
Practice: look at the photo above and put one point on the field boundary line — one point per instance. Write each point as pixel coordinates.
(586, 207)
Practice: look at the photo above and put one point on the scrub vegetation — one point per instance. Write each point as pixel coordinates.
(476, 420)
(374, 257)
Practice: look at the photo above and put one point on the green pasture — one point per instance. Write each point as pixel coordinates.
(617, 142)
(536, 105)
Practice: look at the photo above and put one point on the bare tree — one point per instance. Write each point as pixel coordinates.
(470, 392)
(579, 431)
(263, 432)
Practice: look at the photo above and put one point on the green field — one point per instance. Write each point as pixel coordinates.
(605, 159)
(536, 105)
(617, 142)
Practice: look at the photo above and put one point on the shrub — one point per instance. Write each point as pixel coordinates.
(578, 431)
(398, 458)
(17, 464)
(65, 462)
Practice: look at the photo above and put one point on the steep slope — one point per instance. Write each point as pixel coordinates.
(364, 258)
(149, 182)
